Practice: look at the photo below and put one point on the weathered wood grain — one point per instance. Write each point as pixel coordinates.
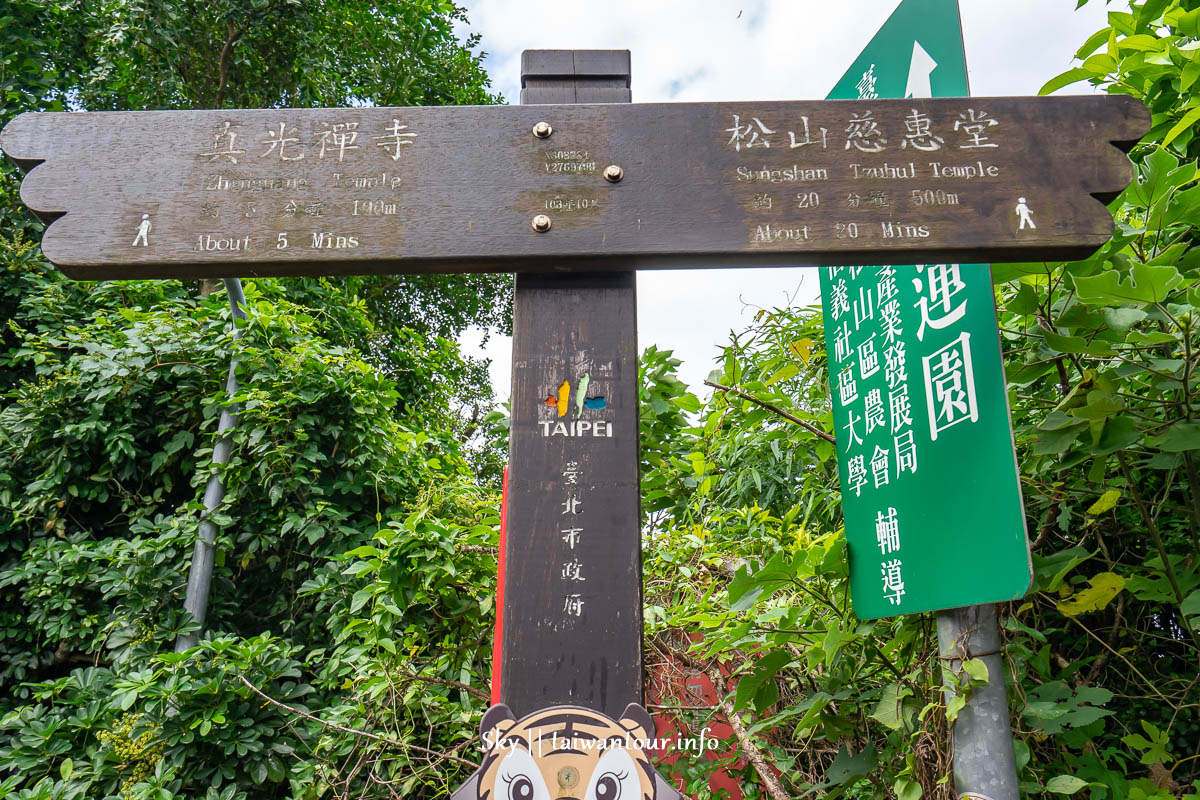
(572, 598)
(573, 588)
(701, 186)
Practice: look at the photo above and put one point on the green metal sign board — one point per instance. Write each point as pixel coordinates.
(930, 489)
(917, 53)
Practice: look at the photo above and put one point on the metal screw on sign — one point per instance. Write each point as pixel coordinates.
(541, 223)
(542, 130)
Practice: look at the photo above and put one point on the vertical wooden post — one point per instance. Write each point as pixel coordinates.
(572, 605)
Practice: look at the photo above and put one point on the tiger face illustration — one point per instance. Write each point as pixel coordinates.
(566, 753)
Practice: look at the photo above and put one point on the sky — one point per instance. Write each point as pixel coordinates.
(713, 50)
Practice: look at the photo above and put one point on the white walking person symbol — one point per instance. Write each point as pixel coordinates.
(142, 231)
(1025, 214)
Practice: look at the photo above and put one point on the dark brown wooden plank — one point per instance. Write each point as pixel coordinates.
(573, 600)
(603, 64)
(549, 87)
(597, 92)
(573, 498)
(700, 188)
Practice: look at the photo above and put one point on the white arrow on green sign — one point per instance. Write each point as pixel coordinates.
(930, 490)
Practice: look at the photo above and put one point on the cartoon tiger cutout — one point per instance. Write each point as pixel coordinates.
(566, 753)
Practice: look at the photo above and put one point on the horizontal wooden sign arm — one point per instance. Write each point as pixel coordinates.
(601, 186)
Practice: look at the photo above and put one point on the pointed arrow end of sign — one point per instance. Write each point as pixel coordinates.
(920, 68)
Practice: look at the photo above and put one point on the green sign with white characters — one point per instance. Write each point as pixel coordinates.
(917, 53)
(930, 491)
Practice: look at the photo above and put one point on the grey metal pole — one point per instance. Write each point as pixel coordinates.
(984, 764)
(200, 574)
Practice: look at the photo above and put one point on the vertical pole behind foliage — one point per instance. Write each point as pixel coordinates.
(984, 762)
(200, 575)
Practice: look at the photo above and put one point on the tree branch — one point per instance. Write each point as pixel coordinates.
(232, 34)
(770, 780)
(807, 426)
(477, 548)
(344, 729)
(471, 690)
(1168, 569)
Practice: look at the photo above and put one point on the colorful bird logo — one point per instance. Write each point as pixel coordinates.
(562, 400)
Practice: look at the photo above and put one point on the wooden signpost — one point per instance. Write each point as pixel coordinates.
(557, 188)
(573, 547)
(573, 196)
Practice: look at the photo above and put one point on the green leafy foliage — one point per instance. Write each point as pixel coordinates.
(320, 672)
(348, 644)
(1100, 358)
(103, 453)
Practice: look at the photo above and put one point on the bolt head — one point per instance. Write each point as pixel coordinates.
(613, 173)
(541, 223)
(542, 130)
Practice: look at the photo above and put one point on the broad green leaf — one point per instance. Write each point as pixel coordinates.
(1181, 436)
(743, 595)
(747, 587)
(802, 348)
(1086, 715)
(1097, 695)
(1104, 503)
(1118, 434)
(688, 402)
(1076, 344)
(1157, 173)
(833, 641)
(889, 710)
(1065, 784)
(1026, 301)
(954, 705)
(1100, 64)
(1185, 123)
(1035, 272)
(1150, 12)
(783, 373)
(1046, 709)
(1191, 604)
(1093, 42)
(1189, 23)
(1146, 284)
(1154, 746)
(359, 599)
(1103, 587)
(907, 789)
(977, 669)
(1057, 441)
(1191, 72)
(66, 769)
(1050, 570)
(1073, 75)
(1057, 420)
(1141, 41)
(1100, 404)
(815, 705)
(1122, 318)
(847, 767)
(1141, 339)
(764, 671)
